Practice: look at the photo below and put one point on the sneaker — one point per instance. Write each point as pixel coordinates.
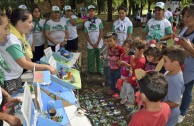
(181, 118)
(123, 101)
(116, 95)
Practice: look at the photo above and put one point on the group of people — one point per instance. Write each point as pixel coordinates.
(120, 56)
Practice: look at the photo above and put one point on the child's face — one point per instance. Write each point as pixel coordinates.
(168, 64)
(105, 42)
(150, 58)
(122, 14)
(111, 42)
(91, 13)
(126, 47)
(137, 51)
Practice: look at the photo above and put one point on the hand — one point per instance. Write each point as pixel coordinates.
(13, 121)
(96, 45)
(186, 44)
(125, 80)
(52, 70)
(69, 14)
(122, 62)
(10, 100)
(63, 43)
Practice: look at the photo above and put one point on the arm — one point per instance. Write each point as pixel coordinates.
(12, 120)
(66, 38)
(99, 38)
(30, 65)
(47, 35)
(166, 37)
(73, 21)
(172, 104)
(186, 44)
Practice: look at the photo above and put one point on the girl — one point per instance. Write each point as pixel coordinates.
(125, 61)
(123, 27)
(17, 50)
(153, 55)
(38, 34)
(10, 119)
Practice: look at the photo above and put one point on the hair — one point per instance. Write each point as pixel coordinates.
(34, 7)
(189, 9)
(111, 34)
(122, 8)
(138, 43)
(19, 14)
(154, 86)
(175, 53)
(2, 14)
(128, 42)
(154, 52)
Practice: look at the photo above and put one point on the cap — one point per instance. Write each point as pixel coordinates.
(67, 8)
(91, 7)
(22, 7)
(55, 9)
(161, 5)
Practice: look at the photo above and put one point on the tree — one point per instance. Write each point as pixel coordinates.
(109, 3)
(99, 5)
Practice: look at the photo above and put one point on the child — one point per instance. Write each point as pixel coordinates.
(123, 27)
(114, 52)
(138, 62)
(93, 32)
(153, 55)
(106, 64)
(124, 62)
(173, 60)
(153, 87)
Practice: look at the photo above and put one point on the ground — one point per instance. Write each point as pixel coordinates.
(93, 91)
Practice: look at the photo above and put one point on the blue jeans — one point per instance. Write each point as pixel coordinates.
(114, 76)
(107, 75)
(187, 97)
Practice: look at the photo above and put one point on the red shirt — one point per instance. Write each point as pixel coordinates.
(139, 63)
(124, 69)
(114, 56)
(147, 118)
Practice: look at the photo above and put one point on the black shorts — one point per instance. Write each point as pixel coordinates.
(72, 45)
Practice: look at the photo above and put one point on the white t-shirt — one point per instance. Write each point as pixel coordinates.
(12, 50)
(72, 29)
(38, 32)
(93, 30)
(29, 38)
(1, 98)
(57, 30)
(157, 28)
(168, 15)
(122, 29)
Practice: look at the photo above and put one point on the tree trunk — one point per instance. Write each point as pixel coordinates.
(149, 4)
(99, 4)
(125, 2)
(130, 5)
(109, 2)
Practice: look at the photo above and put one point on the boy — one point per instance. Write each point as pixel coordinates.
(153, 88)
(93, 32)
(173, 60)
(106, 64)
(138, 62)
(114, 52)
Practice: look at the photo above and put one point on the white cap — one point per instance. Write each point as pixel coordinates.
(91, 7)
(67, 8)
(55, 9)
(161, 5)
(22, 7)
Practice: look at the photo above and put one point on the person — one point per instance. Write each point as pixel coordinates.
(16, 50)
(125, 63)
(71, 22)
(153, 88)
(4, 96)
(93, 29)
(56, 30)
(106, 64)
(158, 28)
(168, 15)
(173, 60)
(138, 62)
(149, 15)
(38, 34)
(123, 27)
(114, 53)
(188, 72)
(153, 56)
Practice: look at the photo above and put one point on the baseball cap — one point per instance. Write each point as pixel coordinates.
(67, 8)
(22, 6)
(91, 7)
(161, 5)
(55, 9)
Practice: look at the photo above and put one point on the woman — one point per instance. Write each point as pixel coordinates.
(158, 28)
(17, 51)
(56, 30)
(123, 27)
(4, 96)
(38, 34)
(188, 73)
